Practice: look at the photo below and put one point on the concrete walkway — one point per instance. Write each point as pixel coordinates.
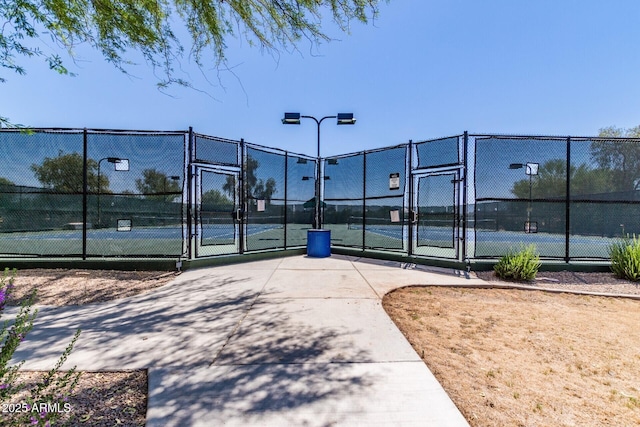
(291, 341)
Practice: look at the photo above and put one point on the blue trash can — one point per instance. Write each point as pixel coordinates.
(318, 243)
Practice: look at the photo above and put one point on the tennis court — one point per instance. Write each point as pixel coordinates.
(181, 194)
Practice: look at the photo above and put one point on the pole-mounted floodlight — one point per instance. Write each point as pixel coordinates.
(291, 119)
(531, 169)
(346, 119)
(294, 119)
(118, 165)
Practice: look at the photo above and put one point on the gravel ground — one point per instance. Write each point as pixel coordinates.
(120, 398)
(574, 281)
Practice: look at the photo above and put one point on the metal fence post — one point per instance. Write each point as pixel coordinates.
(364, 197)
(567, 221)
(464, 196)
(85, 189)
(190, 189)
(242, 199)
(286, 170)
(410, 201)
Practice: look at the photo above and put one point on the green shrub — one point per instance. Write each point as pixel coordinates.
(45, 401)
(625, 258)
(521, 265)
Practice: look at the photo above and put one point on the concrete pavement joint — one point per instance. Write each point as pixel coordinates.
(237, 326)
(367, 282)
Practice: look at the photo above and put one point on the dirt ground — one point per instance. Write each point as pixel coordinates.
(77, 287)
(101, 398)
(526, 357)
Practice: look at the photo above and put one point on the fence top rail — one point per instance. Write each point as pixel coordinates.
(91, 130)
(278, 151)
(436, 139)
(554, 137)
(216, 138)
(359, 153)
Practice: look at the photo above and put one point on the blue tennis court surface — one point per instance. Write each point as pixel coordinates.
(162, 240)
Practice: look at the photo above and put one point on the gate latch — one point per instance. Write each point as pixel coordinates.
(413, 217)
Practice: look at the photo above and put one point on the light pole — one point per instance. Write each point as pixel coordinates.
(342, 119)
(530, 169)
(119, 165)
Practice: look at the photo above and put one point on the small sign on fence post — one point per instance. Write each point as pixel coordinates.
(394, 181)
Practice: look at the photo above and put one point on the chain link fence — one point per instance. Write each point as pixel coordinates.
(365, 197)
(106, 193)
(570, 197)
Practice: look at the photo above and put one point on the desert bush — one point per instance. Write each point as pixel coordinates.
(45, 401)
(521, 265)
(625, 258)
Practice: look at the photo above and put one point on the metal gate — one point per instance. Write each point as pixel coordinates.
(436, 214)
(218, 227)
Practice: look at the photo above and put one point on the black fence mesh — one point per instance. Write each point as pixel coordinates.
(605, 201)
(365, 199)
(438, 152)
(42, 204)
(436, 208)
(265, 197)
(343, 202)
(300, 198)
(520, 189)
(385, 218)
(570, 213)
(217, 151)
(136, 204)
(437, 198)
(174, 194)
(134, 199)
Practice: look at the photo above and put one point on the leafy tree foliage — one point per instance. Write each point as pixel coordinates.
(216, 198)
(257, 189)
(621, 158)
(6, 194)
(551, 181)
(64, 174)
(617, 169)
(116, 28)
(157, 185)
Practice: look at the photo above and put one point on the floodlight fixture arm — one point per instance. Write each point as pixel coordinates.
(318, 123)
(294, 119)
(317, 215)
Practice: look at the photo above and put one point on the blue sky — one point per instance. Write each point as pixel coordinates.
(425, 69)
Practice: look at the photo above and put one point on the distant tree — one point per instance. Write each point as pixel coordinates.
(264, 190)
(5, 181)
(64, 174)
(157, 185)
(256, 188)
(548, 183)
(6, 193)
(620, 158)
(216, 198)
(551, 181)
